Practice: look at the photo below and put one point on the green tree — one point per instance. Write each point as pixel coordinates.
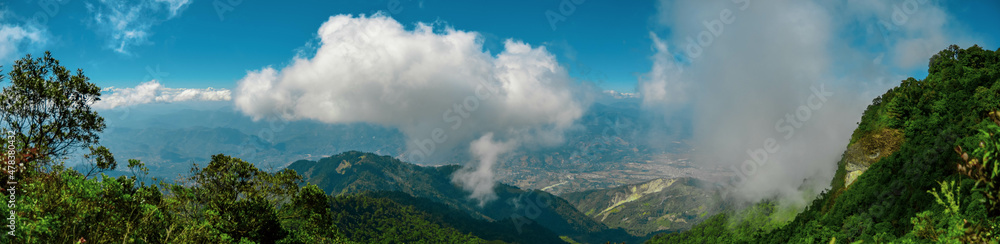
(229, 200)
(49, 108)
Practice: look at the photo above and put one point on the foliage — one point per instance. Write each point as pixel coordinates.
(445, 215)
(229, 200)
(229, 207)
(955, 222)
(48, 108)
(376, 220)
(745, 225)
(982, 166)
(63, 205)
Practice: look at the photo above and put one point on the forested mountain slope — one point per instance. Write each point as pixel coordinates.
(938, 182)
(356, 172)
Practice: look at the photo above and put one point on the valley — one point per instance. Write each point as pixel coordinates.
(500, 122)
(564, 176)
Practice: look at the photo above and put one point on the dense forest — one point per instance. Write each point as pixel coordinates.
(939, 186)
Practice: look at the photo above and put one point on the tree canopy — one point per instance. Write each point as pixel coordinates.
(48, 108)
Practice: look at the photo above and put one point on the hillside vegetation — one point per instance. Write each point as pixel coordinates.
(940, 185)
(357, 172)
(661, 205)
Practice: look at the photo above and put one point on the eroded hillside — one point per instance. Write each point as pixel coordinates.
(656, 205)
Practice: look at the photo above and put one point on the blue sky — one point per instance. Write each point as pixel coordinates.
(196, 45)
(197, 48)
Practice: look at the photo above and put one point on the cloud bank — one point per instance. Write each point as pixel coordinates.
(775, 84)
(154, 92)
(439, 87)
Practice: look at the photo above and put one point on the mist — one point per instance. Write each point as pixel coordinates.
(479, 179)
(776, 88)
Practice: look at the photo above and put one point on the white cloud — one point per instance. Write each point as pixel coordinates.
(431, 84)
(154, 92)
(19, 39)
(126, 25)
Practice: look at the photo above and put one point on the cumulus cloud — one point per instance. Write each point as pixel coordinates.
(154, 92)
(126, 24)
(439, 87)
(17, 39)
(752, 72)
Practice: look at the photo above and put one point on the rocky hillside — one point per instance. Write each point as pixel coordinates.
(867, 150)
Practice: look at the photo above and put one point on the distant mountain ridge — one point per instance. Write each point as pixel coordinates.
(609, 136)
(356, 172)
(169, 143)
